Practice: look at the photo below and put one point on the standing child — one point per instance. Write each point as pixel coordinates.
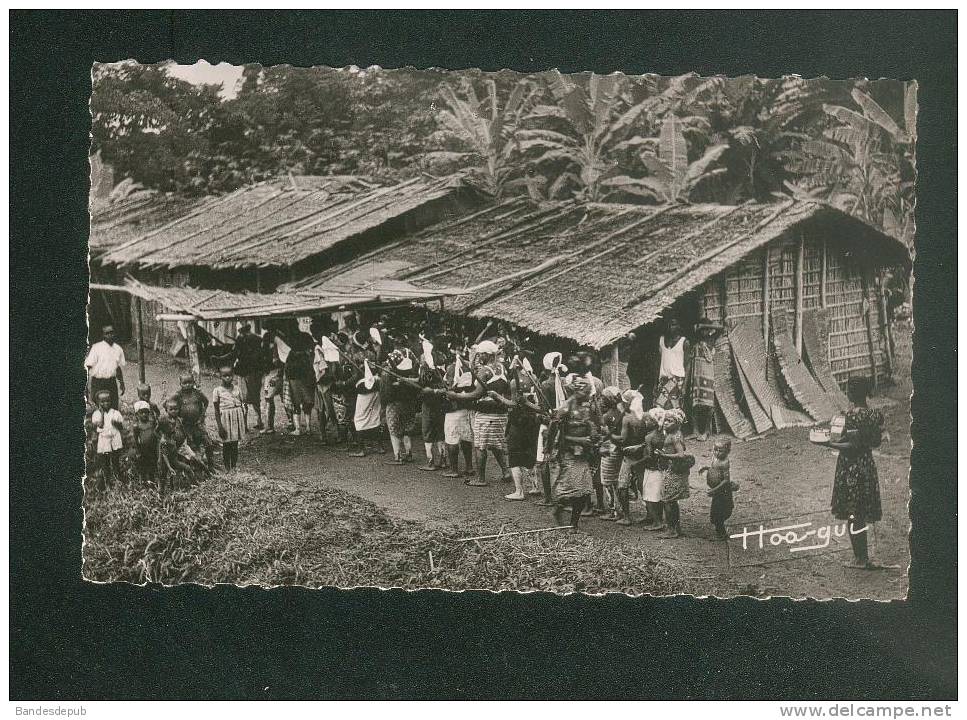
(171, 437)
(721, 486)
(144, 395)
(229, 416)
(272, 381)
(108, 426)
(193, 405)
(653, 475)
(675, 476)
(145, 434)
(631, 438)
(610, 450)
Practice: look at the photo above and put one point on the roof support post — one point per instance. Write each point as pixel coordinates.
(886, 331)
(193, 359)
(723, 285)
(822, 276)
(765, 294)
(797, 324)
(140, 330)
(868, 321)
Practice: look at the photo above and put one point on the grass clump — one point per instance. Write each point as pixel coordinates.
(245, 529)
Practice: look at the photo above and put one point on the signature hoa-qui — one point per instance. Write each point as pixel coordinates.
(792, 535)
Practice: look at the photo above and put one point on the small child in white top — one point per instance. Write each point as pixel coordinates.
(108, 425)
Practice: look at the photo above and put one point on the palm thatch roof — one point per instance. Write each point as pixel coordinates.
(119, 222)
(590, 272)
(208, 304)
(275, 224)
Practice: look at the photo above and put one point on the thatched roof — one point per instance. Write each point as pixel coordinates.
(116, 223)
(593, 272)
(208, 304)
(276, 224)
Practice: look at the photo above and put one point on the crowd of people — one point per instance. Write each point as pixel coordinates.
(553, 428)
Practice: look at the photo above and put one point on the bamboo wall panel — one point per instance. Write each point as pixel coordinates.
(812, 274)
(782, 276)
(743, 287)
(849, 352)
(711, 301)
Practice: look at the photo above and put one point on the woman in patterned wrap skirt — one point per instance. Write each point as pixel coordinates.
(856, 486)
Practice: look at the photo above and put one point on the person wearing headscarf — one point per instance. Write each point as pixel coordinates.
(432, 408)
(490, 416)
(552, 395)
(400, 396)
(366, 418)
(634, 429)
(574, 432)
(673, 350)
(301, 377)
(522, 427)
(610, 449)
(342, 392)
(652, 471)
(675, 475)
(456, 403)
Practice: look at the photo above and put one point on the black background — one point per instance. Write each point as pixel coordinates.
(76, 640)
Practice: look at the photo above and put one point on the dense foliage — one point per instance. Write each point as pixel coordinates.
(607, 138)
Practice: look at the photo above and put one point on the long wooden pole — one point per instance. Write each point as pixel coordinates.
(822, 276)
(615, 367)
(141, 375)
(885, 330)
(797, 324)
(766, 290)
(193, 357)
(869, 327)
(722, 287)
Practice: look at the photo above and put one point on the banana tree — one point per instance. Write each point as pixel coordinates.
(760, 120)
(865, 162)
(490, 131)
(580, 133)
(672, 178)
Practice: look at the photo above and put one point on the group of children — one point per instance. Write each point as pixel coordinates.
(170, 448)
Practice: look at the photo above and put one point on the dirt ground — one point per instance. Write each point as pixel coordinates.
(781, 476)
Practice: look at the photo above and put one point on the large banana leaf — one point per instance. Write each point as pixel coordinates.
(873, 111)
(551, 136)
(604, 91)
(658, 169)
(672, 148)
(645, 187)
(699, 168)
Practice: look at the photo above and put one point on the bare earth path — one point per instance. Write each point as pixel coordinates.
(781, 475)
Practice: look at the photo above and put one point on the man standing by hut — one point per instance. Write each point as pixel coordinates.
(249, 365)
(104, 363)
(673, 349)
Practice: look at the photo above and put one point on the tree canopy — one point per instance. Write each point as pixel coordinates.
(646, 139)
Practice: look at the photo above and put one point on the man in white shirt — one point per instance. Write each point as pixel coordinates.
(104, 363)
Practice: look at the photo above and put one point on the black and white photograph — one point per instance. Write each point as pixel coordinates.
(472, 330)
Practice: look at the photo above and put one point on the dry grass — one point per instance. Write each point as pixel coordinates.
(244, 529)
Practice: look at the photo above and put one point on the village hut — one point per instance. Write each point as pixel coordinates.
(256, 238)
(118, 217)
(795, 283)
